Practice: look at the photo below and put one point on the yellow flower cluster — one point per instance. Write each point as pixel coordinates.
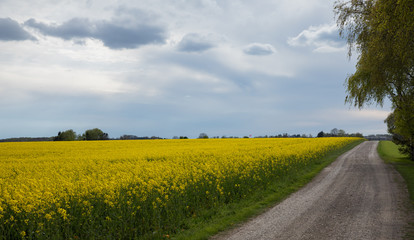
(143, 185)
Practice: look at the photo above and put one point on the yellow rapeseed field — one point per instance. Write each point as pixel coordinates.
(129, 189)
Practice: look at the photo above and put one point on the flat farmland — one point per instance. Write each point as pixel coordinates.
(137, 189)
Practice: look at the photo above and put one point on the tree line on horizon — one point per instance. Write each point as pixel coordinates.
(98, 134)
(339, 133)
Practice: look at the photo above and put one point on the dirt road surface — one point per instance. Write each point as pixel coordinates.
(356, 197)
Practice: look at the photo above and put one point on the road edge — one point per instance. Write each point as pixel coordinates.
(216, 229)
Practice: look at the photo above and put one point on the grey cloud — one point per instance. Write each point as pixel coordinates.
(259, 49)
(113, 34)
(10, 30)
(74, 28)
(194, 42)
(116, 37)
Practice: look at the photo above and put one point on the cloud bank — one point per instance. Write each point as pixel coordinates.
(149, 68)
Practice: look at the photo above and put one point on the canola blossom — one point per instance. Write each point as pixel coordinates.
(135, 189)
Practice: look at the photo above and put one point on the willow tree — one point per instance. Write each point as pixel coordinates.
(382, 34)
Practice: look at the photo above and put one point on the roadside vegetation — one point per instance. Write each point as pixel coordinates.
(390, 153)
(402, 162)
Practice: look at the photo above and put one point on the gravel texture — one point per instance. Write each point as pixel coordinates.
(356, 197)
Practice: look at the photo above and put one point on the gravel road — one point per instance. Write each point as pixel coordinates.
(356, 197)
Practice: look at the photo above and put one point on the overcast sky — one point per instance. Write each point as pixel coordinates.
(175, 68)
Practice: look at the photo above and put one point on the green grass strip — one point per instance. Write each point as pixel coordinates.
(215, 220)
(402, 163)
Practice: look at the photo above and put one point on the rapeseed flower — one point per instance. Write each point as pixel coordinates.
(149, 184)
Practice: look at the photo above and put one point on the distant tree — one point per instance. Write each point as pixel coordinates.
(203, 135)
(359, 135)
(183, 137)
(68, 135)
(334, 132)
(341, 133)
(321, 134)
(95, 134)
(128, 137)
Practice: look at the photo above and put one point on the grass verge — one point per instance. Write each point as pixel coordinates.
(219, 219)
(402, 163)
(389, 152)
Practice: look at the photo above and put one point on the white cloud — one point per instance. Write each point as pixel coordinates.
(329, 49)
(353, 115)
(58, 81)
(367, 114)
(324, 38)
